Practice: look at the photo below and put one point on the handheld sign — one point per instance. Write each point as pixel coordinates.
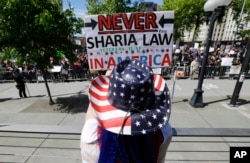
(146, 36)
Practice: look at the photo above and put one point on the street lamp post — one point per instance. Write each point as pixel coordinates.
(241, 77)
(216, 9)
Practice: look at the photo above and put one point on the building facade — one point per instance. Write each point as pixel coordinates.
(149, 6)
(223, 32)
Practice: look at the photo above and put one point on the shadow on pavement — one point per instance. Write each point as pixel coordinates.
(72, 104)
(7, 99)
(180, 101)
(239, 101)
(216, 101)
(242, 102)
(37, 96)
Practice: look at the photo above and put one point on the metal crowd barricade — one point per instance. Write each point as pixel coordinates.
(234, 71)
(167, 72)
(5, 76)
(223, 72)
(181, 72)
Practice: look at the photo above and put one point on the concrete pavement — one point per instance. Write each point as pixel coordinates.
(72, 101)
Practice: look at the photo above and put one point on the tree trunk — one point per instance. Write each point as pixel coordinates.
(197, 26)
(51, 102)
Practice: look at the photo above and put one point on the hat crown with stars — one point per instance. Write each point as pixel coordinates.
(132, 101)
(131, 86)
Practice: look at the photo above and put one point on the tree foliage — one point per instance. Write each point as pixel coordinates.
(241, 14)
(34, 30)
(37, 29)
(112, 6)
(188, 15)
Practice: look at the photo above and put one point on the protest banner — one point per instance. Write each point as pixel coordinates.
(234, 70)
(147, 36)
(226, 61)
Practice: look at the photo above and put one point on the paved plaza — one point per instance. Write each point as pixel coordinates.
(69, 111)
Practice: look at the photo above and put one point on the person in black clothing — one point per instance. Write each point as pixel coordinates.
(20, 81)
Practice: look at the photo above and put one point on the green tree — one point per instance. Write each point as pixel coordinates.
(36, 30)
(112, 6)
(241, 10)
(188, 15)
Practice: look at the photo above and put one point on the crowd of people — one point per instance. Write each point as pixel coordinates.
(192, 58)
(77, 69)
(66, 69)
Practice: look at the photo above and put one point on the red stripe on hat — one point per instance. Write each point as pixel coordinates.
(100, 87)
(102, 78)
(97, 96)
(115, 122)
(102, 109)
(159, 80)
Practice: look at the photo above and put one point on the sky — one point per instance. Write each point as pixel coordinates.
(80, 6)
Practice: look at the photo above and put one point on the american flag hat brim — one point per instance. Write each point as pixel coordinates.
(114, 119)
(132, 101)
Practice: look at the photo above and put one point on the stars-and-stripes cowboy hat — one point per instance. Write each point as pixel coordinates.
(132, 101)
